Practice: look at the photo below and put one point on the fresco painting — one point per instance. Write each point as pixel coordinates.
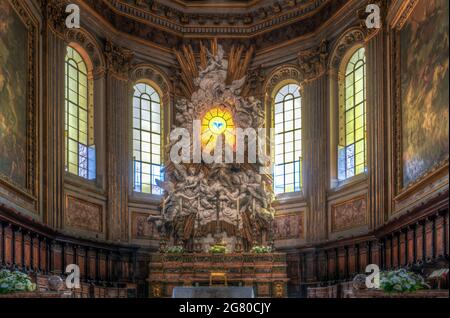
(13, 95)
(424, 89)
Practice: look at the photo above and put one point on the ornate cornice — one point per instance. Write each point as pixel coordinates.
(168, 32)
(313, 62)
(244, 21)
(118, 59)
(403, 14)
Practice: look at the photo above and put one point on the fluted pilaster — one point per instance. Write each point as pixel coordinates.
(314, 109)
(376, 127)
(312, 65)
(53, 119)
(117, 111)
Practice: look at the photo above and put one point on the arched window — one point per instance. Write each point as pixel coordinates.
(288, 140)
(352, 149)
(147, 141)
(79, 117)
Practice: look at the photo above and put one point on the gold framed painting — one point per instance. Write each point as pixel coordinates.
(18, 103)
(421, 93)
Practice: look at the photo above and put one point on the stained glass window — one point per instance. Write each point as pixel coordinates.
(216, 122)
(352, 151)
(79, 138)
(288, 140)
(147, 141)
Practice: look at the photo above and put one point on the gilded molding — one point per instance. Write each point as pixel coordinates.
(403, 14)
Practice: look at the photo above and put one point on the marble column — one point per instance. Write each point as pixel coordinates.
(117, 112)
(376, 128)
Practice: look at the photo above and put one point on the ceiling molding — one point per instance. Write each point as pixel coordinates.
(201, 4)
(141, 27)
(241, 23)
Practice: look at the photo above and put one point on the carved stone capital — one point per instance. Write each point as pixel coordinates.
(55, 15)
(254, 83)
(118, 59)
(312, 63)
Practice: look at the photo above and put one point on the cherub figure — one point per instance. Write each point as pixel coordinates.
(215, 62)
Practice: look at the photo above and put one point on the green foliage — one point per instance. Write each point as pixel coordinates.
(401, 281)
(11, 282)
(218, 249)
(178, 249)
(261, 249)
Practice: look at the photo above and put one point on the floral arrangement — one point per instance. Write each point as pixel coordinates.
(261, 249)
(218, 249)
(438, 279)
(11, 282)
(401, 281)
(177, 249)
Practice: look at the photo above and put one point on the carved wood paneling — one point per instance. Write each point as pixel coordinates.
(31, 247)
(390, 248)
